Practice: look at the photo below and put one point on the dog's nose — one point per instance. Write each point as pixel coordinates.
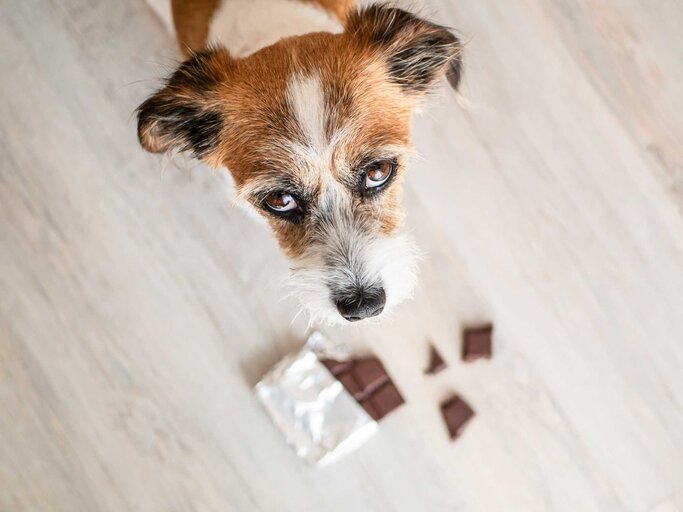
(363, 304)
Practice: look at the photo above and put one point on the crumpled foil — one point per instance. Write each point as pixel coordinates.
(318, 417)
(325, 348)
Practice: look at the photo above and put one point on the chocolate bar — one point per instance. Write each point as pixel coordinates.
(456, 414)
(369, 383)
(436, 362)
(477, 343)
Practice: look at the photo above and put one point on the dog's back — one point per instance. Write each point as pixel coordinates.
(245, 26)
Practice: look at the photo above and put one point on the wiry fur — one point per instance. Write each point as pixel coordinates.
(416, 50)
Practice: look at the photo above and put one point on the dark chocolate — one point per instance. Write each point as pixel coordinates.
(368, 382)
(456, 414)
(436, 362)
(386, 399)
(477, 343)
(370, 374)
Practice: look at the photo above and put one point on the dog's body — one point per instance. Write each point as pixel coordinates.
(307, 103)
(245, 26)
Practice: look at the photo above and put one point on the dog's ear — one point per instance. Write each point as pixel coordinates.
(417, 51)
(186, 114)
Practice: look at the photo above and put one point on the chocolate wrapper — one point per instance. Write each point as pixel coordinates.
(317, 416)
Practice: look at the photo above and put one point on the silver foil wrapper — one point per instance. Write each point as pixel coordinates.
(317, 416)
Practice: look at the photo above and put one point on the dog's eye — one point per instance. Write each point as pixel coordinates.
(281, 202)
(378, 174)
(285, 205)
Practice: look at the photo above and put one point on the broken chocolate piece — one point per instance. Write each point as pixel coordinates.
(456, 414)
(477, 343)
(368, 382)
(436, 362)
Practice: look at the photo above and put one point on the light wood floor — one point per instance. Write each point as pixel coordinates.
(137, 308)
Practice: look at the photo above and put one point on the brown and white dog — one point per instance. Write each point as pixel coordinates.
(308, 103)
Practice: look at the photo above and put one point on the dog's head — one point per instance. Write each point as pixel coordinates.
(315, 132)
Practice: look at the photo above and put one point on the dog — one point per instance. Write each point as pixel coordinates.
(308, 104)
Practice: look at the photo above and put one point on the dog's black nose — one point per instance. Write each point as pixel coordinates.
(364, 304)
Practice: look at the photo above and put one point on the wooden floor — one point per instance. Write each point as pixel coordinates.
(137, 308)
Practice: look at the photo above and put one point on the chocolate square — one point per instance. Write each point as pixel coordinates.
(385, 400)
(477, 343)
(456, 414)
(370, 374)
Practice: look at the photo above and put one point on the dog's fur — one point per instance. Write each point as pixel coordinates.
(306, 102)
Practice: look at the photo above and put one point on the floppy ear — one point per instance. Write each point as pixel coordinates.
(186, 114)
(416, 50)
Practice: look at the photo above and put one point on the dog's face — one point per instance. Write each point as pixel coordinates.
(315, 132)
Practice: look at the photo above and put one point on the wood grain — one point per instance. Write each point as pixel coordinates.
(137, 308)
